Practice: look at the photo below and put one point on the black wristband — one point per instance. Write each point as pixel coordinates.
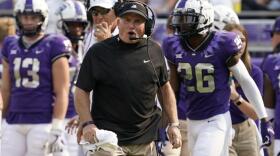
(87, 123)
(238, 101)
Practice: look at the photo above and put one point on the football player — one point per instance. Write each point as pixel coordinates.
(271, 68)
(74, 22)
(203, 59)
(35, 84)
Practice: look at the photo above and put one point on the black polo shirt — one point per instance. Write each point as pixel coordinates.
(122, 77)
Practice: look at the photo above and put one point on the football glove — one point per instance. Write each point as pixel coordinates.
(55, 144)
(267, 133)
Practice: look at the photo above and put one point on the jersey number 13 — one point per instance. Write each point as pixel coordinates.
(32, 79)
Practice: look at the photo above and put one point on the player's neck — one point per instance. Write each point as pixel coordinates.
(196, 41)
(33, 38)
(28, 41)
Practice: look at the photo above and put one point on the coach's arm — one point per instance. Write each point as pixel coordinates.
(169, 106)
(82, 106)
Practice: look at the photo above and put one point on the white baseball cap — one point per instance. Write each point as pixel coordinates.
(108, 4)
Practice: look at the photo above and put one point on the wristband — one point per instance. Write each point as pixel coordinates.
(238, 100)
(57, 124)
(87, 123)
(174, 124)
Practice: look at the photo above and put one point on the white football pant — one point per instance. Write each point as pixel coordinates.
(210, 137)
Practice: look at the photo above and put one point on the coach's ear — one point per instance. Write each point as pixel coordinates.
(233, 60)
(118, 20)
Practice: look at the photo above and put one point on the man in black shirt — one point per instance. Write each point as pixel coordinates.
(125, 73)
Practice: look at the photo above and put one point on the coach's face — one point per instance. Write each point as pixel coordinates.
(131, 25)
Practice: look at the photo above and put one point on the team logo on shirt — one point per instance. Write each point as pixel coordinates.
(179, 56)
(208, 55)
(238, 42)
(13, 52)
(276, 67)
(146, 61)
(39, 51)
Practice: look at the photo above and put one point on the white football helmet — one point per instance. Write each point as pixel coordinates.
(72, 12)
(31, 7)
(223, 16)
(192, 17)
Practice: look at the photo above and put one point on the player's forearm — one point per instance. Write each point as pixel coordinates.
(6, 87)
(82, 105)
(60, 71)
(169, 103)
(6, 98)
(250, 88)
(60, 105)
(248, 109)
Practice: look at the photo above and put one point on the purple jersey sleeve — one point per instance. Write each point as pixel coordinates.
(9, 40)
(231, 43)
(61, 46)
(168, 45)
(271, 67)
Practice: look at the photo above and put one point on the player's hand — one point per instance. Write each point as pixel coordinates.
(55, 144)
(266, 132)
(103, 31)
(72, 125)
(174, 136)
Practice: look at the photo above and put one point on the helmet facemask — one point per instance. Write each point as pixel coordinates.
(33, 8)
(33, 31)
(185, 23)
(192, 18)
(70, 30)
(73, 20)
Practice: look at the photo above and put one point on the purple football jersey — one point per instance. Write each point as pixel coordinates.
(271, 66)
(236, 115)
(74, 65)
(204, 72)
(30, 70)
